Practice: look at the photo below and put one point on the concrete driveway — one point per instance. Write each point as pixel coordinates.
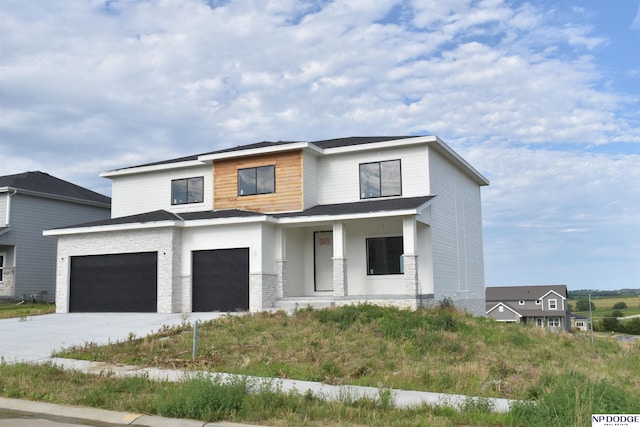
(35, 338)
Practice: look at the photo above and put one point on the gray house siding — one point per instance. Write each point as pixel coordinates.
(32, 254)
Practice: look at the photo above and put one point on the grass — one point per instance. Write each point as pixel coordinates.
(429, 350)
(604, 306)
(563, 378)
(10, 309)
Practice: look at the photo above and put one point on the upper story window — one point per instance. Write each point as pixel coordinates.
(380, 179)
(259, 180)
(2, 257)
(521, 302)
(553, 304)
(187, 190)
(384, 255)
(538, 302)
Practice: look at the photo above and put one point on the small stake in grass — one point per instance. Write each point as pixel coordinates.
(195, 340)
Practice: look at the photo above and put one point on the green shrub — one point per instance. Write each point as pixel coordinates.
(203, 398)
(570, 402)
(621, 305)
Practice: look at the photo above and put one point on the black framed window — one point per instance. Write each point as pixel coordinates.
(259, 180)
(380, 179)
(384, 255)
(187, 190)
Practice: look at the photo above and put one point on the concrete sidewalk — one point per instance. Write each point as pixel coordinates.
(74, 415)
(401, 398)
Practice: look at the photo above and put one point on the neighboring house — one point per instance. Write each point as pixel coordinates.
(30, 203)
(543, 306)
(579, 322)
(385, 220)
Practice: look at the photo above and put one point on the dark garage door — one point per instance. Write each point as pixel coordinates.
(114, 283)
(220, 280)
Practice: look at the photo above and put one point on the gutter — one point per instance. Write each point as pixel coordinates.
(7, 219)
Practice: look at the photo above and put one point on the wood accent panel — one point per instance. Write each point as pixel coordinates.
(288, 195)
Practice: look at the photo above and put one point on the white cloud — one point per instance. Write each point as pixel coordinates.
(513, 86)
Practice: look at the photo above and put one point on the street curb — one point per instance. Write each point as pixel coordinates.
(103, 416)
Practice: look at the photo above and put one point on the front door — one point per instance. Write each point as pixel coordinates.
(323, 264)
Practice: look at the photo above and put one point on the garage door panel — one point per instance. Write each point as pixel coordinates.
(114, 283)
(220, 280)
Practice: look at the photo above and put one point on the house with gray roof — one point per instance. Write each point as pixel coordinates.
(543, 306)
(30, 203)
(393, 220)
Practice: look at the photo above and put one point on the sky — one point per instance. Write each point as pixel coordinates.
(542, 97)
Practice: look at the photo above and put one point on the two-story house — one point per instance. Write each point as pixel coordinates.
(544, 306)
(30, 203)
(385, 220)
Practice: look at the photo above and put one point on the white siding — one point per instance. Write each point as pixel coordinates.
(456, 231)
(339, 175)
(151, 191)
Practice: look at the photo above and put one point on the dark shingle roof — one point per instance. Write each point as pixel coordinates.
(327, 143)
(41, 182)
(515, 293)
(319, 210)
(227, 213)
(378, 205)
(355, 140)
(155, 216)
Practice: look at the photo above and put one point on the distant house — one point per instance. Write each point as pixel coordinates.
(30, 203)
(543, 306)
(384, 220)
(579, 322)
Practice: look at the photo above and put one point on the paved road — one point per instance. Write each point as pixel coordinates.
(16, 419)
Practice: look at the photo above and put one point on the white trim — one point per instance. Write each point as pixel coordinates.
(260, 150)
(3, 262)
(545, 295)
(504, 305)
(111, 227)
(151, 168)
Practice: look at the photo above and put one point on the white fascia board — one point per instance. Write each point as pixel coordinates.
(112, 227)
(448, 152)
(4, 189)
(154, 168)
(551, 291)
(345, 217)
(380, 145)
(228, 221)
(505, 306)
(255, 151)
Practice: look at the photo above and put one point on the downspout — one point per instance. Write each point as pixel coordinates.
(8, 213)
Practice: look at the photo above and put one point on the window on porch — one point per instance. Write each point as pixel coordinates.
(384, 255)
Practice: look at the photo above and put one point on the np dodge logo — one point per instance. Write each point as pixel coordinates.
(615, 420)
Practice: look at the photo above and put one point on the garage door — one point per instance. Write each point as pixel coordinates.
(114, 283)
(220, 280)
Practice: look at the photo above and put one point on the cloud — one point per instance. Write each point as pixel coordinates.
(515, 87)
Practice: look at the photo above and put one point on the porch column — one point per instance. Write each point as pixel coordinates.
(410, 257)
(281, 263)
(340, 286)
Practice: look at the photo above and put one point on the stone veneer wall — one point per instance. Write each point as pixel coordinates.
(262, 291)
(7, 286)
(340, 284)
(160, 240)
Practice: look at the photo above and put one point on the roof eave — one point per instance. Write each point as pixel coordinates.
(153, 168)
(258, 151)
(112, 227)
(56, 197)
